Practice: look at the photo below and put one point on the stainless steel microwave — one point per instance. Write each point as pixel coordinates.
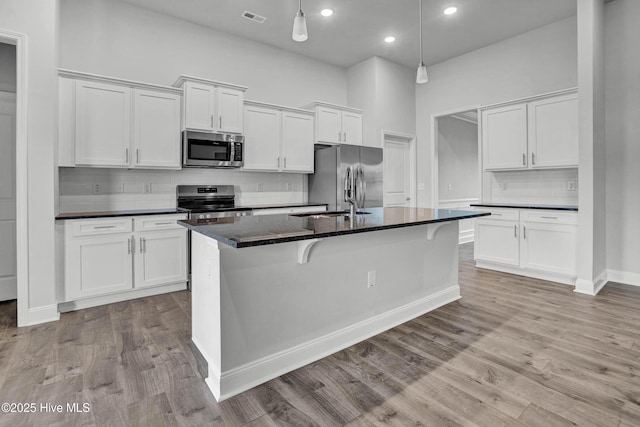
(212, 150)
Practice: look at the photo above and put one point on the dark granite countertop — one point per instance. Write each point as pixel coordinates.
(281, 205)
(108, 214)
(527, 206)
(240, 232)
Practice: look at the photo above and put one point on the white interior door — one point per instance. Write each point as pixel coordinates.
(8, 280)
(397, 172)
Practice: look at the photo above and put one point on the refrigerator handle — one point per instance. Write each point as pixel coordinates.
(363, 186)
(348, 183)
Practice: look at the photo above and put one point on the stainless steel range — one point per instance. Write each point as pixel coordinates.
(208, 201)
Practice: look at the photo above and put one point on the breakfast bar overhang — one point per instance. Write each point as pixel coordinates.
(273, 293)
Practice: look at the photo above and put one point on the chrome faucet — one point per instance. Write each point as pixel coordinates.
(350, 192)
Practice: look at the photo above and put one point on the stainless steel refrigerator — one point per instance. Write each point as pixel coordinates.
(339, 167)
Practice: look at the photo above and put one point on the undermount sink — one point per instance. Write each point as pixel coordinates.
(330, 214)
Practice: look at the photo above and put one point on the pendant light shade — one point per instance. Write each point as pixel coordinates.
(300, 33)
(421, 74)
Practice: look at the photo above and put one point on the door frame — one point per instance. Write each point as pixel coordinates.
(413, 159)
(22, 207)
(434, 150)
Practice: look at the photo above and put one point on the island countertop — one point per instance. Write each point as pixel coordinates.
(240, 232)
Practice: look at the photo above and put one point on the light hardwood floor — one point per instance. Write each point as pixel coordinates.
(513, 351)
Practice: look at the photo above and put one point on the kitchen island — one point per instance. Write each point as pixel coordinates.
(273, 293)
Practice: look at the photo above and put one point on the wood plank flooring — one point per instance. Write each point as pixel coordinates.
(514, 351)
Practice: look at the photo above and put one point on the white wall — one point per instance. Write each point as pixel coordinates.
(38, 20)
(542, 60)
(7, 68)
(117, 39)
(386, 93)
(458, 175)
(125, 189)
(622, 63)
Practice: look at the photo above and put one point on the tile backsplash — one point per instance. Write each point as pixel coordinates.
(544, 186)
(97, 189)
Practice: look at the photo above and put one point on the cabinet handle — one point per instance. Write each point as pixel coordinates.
(524, 159)
(220, 123)
(129, 245)
(549, 217)
(285, 162)
(164, 223)
(345, 136)
(212, 120)
(137, 156)
(126, 155)
(495, 214)
(515, 231)
(141, 245)
(278, 162)
(524, 231)
(533, 158)
(340, 136)
(103, 226)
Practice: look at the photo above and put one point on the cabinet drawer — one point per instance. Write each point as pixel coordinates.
(157, 222)
(550, 217)
(501, 214)
(101, 226)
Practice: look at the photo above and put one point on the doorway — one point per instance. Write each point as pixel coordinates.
(399, 169)
(457, 177)
(8, 259)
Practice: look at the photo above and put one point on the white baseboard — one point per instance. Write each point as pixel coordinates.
(591, 287)
(44, 314)
(624, 277)
(240, 379)
(118, 297)
(542, 275)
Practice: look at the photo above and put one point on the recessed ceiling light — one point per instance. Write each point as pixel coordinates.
(450, 10)
(389, 39)
(326, 12)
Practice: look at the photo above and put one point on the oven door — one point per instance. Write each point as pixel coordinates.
(211, 150)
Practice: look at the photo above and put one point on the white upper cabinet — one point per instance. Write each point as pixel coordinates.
(278, 138)
(539, 133)
(199, 106)
(105, 122)
(156, 129)
(211, 106)
(297, 142)
(103, 126)
(261, 138)
(336, 124)
(553, 131)
(504, 133)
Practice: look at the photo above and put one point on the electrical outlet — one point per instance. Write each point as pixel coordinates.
(147, 188)
(96, 188)
(288, 186)
(504, 186)
(121, 187)
(571, 186)
(371, 279)
(260, 187)
(449, 187)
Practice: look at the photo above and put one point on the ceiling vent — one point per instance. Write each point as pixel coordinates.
(254, 17)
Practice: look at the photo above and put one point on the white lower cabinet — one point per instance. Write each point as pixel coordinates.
(532, 243)
(109, 256)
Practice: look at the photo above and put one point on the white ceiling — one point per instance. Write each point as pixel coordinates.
(356, 31)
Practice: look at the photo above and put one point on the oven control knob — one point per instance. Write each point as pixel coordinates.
(208, 216)
(200, 216)
(239, 214)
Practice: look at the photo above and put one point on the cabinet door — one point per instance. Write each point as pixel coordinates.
(66, 122)
(98, 265)
(262, 138)
(103, 131)
(297, 142)
(553, 132)
(230, 103)
(199, 106)
(497, 241)
(352, 128)
(328, 125)
(161, 258)
(504, 137)
(549, 247)
(156, 129)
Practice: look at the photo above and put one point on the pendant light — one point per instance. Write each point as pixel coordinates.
(421, 75)
(299, 33)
